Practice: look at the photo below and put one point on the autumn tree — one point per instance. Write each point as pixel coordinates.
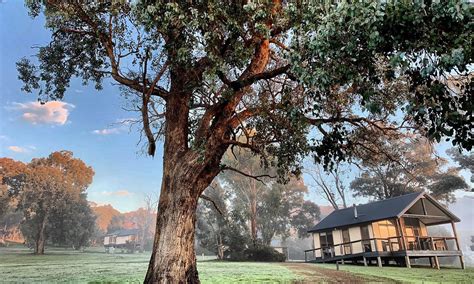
(204, 72)
(45, 187)
(143, 219)
(415, 169)
(10, 171)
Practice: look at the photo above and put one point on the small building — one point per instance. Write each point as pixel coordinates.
(123, 239)
(394, 229)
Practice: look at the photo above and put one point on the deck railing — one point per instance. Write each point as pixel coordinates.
(391, 244)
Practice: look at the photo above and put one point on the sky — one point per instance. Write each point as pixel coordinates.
(85, 122)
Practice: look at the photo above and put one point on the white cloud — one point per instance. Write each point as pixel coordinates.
(53, 112)
(19, 149)
(121, 125)
(107, 131)
(117, 193)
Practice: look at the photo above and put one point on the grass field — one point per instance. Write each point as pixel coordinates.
(412, 275)
(19, 265)
(94, 266)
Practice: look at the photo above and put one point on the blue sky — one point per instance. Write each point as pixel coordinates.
(85, 122)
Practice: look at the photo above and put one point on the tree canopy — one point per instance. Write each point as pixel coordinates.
(343, 68)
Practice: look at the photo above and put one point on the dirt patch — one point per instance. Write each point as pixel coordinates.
(314, 274)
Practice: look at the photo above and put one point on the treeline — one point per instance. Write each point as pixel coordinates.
(47, 197)
(143, 219)
(405, 164)
(245, 212)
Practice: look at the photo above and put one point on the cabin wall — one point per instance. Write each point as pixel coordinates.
(354, 233)
(384, 229)
(316, 244)
(337, 237)
(106, 240)
(123, 240)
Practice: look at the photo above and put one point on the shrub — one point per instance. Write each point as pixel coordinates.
(264, 253)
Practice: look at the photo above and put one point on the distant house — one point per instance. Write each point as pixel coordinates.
(390, 230)
(123, 239)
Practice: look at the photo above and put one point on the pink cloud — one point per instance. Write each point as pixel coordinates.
(53, 112)
(19, 149)
(117, 193)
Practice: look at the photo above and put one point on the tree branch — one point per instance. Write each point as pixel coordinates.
(205, 197)
(257, 177)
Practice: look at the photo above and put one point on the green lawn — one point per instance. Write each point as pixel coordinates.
(19, 265)
(94, 266)
(411, 275)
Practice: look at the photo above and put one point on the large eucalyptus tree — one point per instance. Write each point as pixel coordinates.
(293, 77)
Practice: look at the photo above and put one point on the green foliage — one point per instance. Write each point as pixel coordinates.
(73, 226)
(368, 59)
(465, 161)
(253, 212)
(264, 253)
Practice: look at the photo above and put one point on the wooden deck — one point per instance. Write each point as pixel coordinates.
(392, 252)
(383, 254)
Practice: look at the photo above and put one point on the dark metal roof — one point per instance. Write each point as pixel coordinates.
(379, 210)
(124, 232)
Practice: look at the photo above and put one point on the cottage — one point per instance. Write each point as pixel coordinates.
(123, 239)
(390, 230)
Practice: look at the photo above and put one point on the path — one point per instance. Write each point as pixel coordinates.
(314, 274)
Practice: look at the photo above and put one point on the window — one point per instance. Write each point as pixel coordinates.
(345, 239)
(365, 235)
(326, 244)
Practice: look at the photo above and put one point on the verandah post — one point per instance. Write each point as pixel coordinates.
(456, 238)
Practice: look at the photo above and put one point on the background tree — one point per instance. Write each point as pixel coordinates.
(214, 223)
(10, 171)
(144, 219)
(116, 223)
(283, 208)
(305, 217)
(416, 169)
(269, 206)
(43, 189)
(202, 74)
(73, 225)
(329, 184)
(465, 161)
(248, 188)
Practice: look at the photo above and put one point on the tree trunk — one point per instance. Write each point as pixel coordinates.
(253, 219)
(173, 259)
(40, 238)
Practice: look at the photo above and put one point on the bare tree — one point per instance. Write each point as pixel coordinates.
(329, 184)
